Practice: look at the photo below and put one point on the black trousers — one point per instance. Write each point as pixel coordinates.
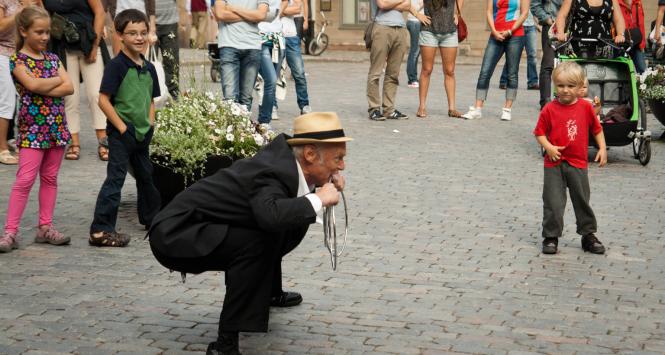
(252, 261)
(125, 149)
(546, 67)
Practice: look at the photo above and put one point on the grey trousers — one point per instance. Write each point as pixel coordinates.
(557, 179)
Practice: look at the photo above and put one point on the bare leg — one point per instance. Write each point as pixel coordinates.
(448, 56)
(508, 104)
(427, 54)
(4, 128)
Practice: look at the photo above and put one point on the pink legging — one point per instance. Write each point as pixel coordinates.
(46, 162)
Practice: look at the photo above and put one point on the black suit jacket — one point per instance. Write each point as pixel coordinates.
(256, 193)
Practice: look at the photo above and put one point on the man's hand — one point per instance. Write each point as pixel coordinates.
(92, 57)
(328, 194)
(601, 156)
(152, 38)
(554, 152)
(561, 37)
(305, 25)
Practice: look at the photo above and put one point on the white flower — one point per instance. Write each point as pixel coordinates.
(188, 130)
(218, 131)
(229, 137)
(229, 129)
(172, 35)
(643, 86)
(212, 107)
(258, 139)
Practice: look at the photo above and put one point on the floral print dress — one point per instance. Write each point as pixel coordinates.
(41, 119)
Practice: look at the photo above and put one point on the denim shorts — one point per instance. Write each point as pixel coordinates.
(429, 39)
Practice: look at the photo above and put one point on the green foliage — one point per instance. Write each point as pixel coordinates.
(200, 125)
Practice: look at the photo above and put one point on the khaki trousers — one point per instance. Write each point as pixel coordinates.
(199, 29)
(389, 44)
(92, 78)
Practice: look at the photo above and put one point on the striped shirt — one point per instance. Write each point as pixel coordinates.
(166, 12)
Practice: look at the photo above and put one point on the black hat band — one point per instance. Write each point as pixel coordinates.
(336, 133)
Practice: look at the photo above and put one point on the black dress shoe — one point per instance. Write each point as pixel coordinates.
(591, 244)
(286, 299)
(226, 344)
(550, 245)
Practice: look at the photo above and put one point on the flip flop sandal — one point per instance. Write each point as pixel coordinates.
(454, 113)
(421, 115)
(102, 152)
(73, 152)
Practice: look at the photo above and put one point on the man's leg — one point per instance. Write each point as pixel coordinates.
(297, 66)
(377, 59)
(250, 60)
(229, 62)
(399, 46)
(267, 71)
(546, 66)
(531, 44)
(168, 43)
(414, 51)
(108, 200)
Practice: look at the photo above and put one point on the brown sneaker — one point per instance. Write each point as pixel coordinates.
(108, 239)
(48, 234)
(8, 242)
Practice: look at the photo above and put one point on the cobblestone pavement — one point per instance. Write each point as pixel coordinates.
(443, 254)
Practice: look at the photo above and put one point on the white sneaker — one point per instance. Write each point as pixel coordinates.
(275, 115)
(474, 112)
(305, 109)
(505, 114)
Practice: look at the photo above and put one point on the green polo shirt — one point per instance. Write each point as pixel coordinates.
(131, 88)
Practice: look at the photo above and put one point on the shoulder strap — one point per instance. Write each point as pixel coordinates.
(459, 12)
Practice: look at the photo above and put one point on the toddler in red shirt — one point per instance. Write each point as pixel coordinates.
(563, 131)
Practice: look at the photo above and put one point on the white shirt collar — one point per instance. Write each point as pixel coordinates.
(303, 187)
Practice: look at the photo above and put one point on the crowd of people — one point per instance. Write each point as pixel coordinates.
(513, 24)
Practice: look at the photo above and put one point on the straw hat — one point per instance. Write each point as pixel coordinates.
(317, 127)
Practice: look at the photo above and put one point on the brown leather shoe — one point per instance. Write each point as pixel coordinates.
(591, 244)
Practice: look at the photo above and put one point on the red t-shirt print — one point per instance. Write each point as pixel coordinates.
(568, 126)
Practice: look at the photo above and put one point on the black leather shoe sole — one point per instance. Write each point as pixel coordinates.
(287, 299)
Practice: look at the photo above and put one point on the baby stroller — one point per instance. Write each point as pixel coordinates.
(614, 81)
(213, 55)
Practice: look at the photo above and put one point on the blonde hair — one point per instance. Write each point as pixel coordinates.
(569, 72)
(25, 18)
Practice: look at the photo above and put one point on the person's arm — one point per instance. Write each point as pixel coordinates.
(619, 23)
(659, 22)
(388, 4)
(601, 156)
(275, 211)
(152, 112)
(223, 14)
(524, 13)
(65, 88)
(561, 20)
(40, 86)
(290, 10)
(458, 13)
(112, 6)
(98, 26)
(489, 14)
(7, 22)
(305, 12)
(425, 20)
(539, 12)
(251, 15)
(553, 151)
(109, 111)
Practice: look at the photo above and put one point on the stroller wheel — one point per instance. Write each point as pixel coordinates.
(636, 147)
(644, 151)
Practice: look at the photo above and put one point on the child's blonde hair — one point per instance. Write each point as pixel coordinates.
(570, 73)
(25, 18)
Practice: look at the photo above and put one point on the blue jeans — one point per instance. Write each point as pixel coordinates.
(493, 52)
(295, 62)
(638, 60)
(239, 69)
(124, 150)
(269, 72)
(414, 51)
(531, 44)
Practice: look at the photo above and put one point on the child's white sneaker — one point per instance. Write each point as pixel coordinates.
(505, 114)
(474, 112)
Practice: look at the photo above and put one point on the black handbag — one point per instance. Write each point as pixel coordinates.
(62, 28)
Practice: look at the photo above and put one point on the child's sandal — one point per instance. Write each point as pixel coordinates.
(73, 152)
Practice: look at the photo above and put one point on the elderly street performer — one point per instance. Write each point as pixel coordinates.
(244, 219)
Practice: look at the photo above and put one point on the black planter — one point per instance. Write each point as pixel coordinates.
(658, 110)
(170, 183)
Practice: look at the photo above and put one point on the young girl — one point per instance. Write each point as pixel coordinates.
(41, 83)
